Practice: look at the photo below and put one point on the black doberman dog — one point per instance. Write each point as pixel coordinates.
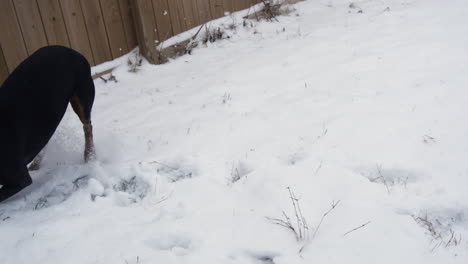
(33, 101)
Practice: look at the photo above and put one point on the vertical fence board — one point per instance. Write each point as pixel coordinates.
(237, 5)
(176, 12)
(146, 29)
(76, 28)
(96, 31)
(114, 27)
(216, 8)
(204, 11)
(249, 3)
(163, 19)
(243, 4)
(3, 67)
(189, 14)
(180, 10)
(31, 24)
(195, 12)
(129, 23)
(246, 4)
(11, 40)
(54, 25)
(252, 2)
(227, 5)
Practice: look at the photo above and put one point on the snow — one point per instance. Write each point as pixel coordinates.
(363, 111)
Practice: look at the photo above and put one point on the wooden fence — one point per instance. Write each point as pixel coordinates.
(99, 29)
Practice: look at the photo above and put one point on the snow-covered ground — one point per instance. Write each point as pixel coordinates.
(361, 114)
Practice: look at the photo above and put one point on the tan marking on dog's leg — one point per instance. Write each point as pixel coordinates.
(89, 152)
(78, 109)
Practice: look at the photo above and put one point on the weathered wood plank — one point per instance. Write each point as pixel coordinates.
(181, 11)
(236, 5)
(243, 4)
(100, 74)
(174, 16)
(204, 11)
(228, 6)
(176, 11)
(163, 19)
(217, 8)
(191, 14)
(96, 31)
(251, 3)
(129, 23)
(246, 4)
(54, 24)
(31, 24)
(240, 4)
(11, 39)
(3, 67)
(114, 27)
(195, 12)
(76, 28)
(145, 24)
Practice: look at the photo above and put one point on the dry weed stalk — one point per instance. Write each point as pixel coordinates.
(437, 232)
(135, 63)
(381, 176)
(301, 229)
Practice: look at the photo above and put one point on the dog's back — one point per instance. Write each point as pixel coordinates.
(35, 96)
(33, 100)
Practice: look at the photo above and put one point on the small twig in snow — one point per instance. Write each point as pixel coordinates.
(428, 139)
(379, 170)
(436, 246)
(165, 165)
(164, 198)
(137, 260)
(324, 133)
(333, 205)
(354, 229)
(318, 168)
